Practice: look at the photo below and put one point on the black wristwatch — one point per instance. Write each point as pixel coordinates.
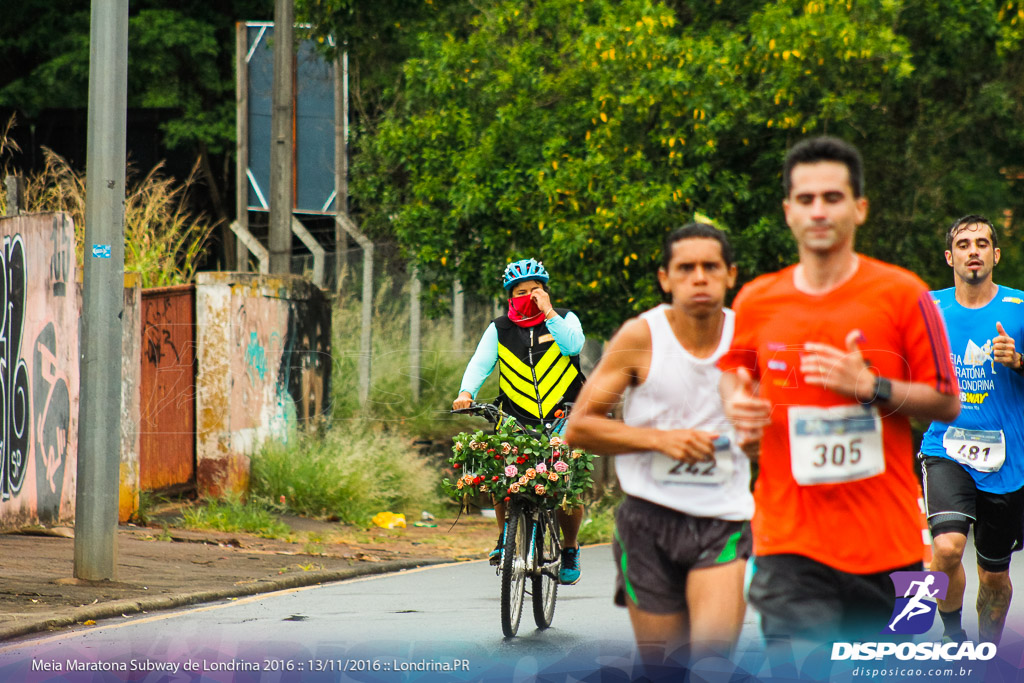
(883, 391)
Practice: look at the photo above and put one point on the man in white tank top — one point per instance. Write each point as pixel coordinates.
(682, 535)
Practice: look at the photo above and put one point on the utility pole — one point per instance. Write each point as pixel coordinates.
(283, 142)
(99, 426)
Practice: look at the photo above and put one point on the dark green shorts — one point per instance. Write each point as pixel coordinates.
(655, 548)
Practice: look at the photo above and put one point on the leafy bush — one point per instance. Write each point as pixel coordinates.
(349, 472)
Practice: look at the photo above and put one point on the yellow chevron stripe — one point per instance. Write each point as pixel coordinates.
(552, 376)
(525, 402)
(558, 392)
(547, 359)
(513, 380)
(513, 362)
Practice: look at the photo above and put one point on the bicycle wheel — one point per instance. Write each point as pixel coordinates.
(514, 564)
(549, 560)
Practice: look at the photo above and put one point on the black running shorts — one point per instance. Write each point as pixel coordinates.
(953, 502)
(656, 547)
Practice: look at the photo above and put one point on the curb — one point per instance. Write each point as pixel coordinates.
(128, 606)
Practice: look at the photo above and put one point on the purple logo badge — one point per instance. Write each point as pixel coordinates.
(916, 593)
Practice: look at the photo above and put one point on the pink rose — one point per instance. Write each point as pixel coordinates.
(561, 466)
(541, 468)
(511, 471)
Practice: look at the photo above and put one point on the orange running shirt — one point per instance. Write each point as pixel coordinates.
(864, 526)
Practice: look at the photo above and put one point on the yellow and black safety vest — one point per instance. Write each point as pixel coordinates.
(535, 378)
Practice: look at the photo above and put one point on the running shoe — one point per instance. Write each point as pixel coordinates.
(570, 572)
(495, 555)
(955, 637)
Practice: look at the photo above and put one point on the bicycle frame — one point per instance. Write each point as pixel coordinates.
(533, 526)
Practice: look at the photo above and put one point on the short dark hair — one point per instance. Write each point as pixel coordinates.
(696, 230)
(825, 148)
(970, 219)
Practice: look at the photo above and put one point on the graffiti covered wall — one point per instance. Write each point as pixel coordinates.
(38, 369)
(263, 352)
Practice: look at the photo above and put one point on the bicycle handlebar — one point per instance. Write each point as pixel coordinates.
(496, 415)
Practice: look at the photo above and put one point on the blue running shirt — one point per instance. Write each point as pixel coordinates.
(991, 394)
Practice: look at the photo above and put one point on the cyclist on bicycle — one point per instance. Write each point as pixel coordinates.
(536, 348)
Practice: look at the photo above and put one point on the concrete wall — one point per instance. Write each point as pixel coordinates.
(263, 368)
(263, 357)
(38, 369)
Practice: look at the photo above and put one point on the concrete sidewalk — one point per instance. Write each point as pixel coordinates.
(159, 569)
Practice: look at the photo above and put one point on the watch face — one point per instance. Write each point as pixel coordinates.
(883, 389)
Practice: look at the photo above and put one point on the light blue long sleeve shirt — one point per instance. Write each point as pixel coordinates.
(567, 332)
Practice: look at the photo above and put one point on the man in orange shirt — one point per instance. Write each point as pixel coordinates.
(829, 360)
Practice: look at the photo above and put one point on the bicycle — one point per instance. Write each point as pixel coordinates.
(531, 549)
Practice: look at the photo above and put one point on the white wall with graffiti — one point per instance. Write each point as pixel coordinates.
(38, 369)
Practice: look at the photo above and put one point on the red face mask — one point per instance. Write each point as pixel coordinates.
(523, 311)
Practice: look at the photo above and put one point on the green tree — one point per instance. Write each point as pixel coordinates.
(581, 132)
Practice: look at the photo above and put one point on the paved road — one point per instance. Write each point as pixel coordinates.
(423, 618)
(437, 623)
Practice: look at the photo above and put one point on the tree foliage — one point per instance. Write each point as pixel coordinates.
(580, 132)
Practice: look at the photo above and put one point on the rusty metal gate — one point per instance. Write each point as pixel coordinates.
(167, 450)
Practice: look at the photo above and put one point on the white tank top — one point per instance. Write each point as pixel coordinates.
(681, 392)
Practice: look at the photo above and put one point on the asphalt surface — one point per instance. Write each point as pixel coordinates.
(160, 569)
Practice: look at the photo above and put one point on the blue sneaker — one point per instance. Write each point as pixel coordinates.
(570, 571)
(494, 557)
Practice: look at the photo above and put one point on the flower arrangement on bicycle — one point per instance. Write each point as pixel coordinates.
(510, 462)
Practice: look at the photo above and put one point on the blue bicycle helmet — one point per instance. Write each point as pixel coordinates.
(527, 269)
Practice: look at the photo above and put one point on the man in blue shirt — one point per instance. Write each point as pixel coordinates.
(973, 468)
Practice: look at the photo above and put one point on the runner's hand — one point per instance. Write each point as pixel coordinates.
(1004, 349)
(844, 372)
(688, 445)
(464, 400)
(747, 412)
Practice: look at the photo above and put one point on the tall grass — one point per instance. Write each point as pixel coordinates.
(164, 241)
(442, 362)
(350, 472)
